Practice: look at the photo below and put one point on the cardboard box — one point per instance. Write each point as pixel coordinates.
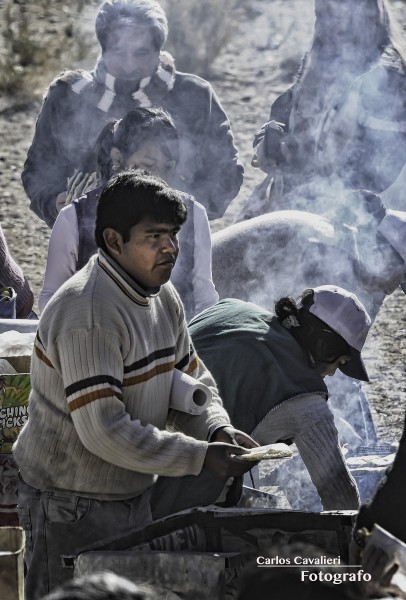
(14, 392)
(15, 358)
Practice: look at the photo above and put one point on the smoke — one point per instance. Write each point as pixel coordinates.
(394, 196)
(340, 123)
(343, 133)
(293, 479)
(283, 253)
(289, 484)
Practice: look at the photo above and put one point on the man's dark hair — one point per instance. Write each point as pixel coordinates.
(100, 586)
(133, 196)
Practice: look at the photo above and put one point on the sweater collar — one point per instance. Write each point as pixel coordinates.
(132, 288)
(146, 92)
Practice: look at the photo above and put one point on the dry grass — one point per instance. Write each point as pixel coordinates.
(35, 38)
(199, 31)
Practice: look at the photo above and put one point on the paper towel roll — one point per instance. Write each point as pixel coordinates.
(188, 394)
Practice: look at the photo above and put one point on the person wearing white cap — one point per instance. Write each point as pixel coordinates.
(270, 368)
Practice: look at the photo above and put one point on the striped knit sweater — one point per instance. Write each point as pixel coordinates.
(99, 420)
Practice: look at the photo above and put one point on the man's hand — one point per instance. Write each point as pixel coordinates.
(229, 435)
(222, 460)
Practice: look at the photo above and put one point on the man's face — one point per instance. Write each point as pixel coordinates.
(130, 53)
(150, 254)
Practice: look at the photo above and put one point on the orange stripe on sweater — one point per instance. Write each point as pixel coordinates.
(91, 397)
(192, 367)
(158, 370)
(42, 357)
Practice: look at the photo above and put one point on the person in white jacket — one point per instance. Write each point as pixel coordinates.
(145, 138)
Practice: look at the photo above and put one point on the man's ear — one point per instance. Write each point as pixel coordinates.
(116, 159)
(113, 240)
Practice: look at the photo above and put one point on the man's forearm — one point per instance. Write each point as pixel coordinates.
(320, 451)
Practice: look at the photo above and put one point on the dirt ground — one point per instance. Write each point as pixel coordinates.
(258, 63)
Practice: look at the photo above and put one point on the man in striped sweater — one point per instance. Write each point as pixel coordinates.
(100, 427)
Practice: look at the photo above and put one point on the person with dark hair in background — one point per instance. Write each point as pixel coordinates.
(17, 301)
(145, 138)
(101, 425)
(101, 586)
(270, 372)
(132, 71)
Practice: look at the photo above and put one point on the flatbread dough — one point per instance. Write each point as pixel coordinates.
(267, 452)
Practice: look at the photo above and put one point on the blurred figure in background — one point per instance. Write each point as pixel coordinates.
(366, 145)
(145, 138)
(18, 304)
(349, 37)
(132, 71)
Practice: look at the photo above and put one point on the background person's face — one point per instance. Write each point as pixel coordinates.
(130, 53)
(152, 157)
(341, 22)
(150, 254)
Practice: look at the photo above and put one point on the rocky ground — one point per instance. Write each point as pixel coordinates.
(258, 63)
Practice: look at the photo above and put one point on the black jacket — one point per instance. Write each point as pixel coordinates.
(69, 123)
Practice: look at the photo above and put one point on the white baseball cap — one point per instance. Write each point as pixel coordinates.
(343, 313)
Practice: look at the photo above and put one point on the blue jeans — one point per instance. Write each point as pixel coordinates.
(58, 524)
